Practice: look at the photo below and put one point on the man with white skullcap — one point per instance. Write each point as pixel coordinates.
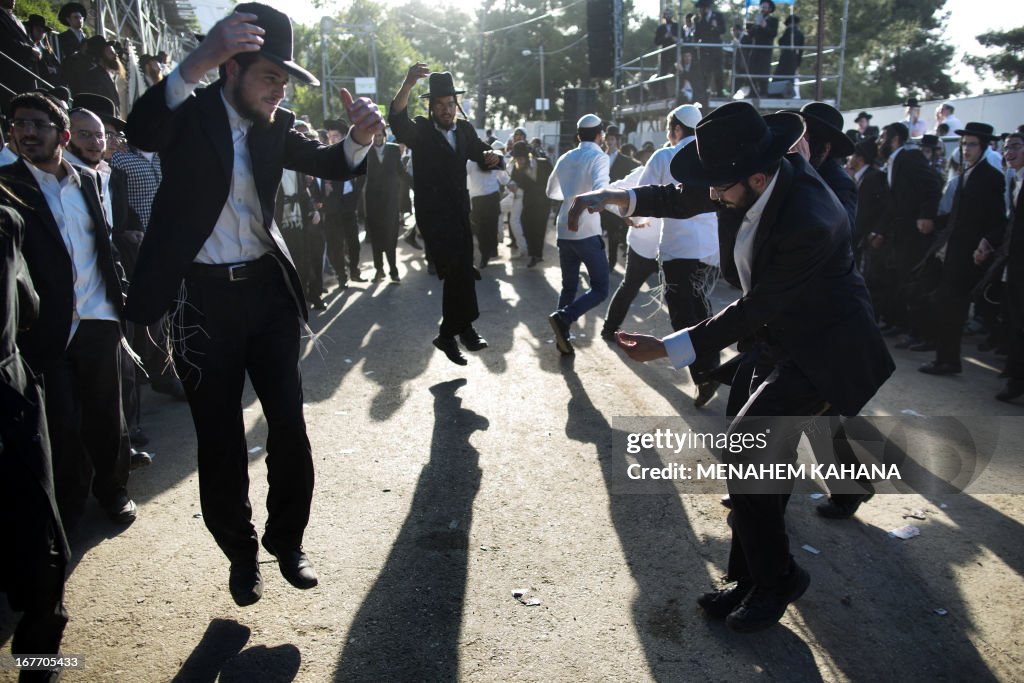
(579, 170)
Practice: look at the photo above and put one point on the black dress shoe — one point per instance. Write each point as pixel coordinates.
(451, 349)
(378, 276)
(139, 459)
(472, 340)
(120, 508)
(763, 607)
(705, 392)
(940, 368)
(295, 566)
(720, 603)
(319, 305)
(726, 501)
(394, 276)
(245, 583)
(561, 328)
(1013, 389)
(356, 277)
(608, 334)
(533, 261)
(843, 506)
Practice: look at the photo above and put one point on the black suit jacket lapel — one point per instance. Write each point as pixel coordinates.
(213, 117)
(32, 195)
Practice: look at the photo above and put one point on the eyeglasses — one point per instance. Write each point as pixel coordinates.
(33, 124)
(722, 189)
(89, 135)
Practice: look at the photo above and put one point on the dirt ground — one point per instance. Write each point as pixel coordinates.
(441, 490)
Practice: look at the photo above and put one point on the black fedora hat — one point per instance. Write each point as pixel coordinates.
(441, 84)
(37, 20)
(521, 149)
(71, 8)
(102, 106)
(734, 142)
(277, 41)
(912, 102)
(825, 118)
(929, 140)
(863, 115)
(867, 150)
(978, 130)
(792, 19)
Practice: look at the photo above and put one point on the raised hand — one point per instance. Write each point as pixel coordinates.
(230, 36)
(364, 116)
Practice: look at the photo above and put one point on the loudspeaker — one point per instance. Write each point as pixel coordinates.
(578, 102)
(601, 43)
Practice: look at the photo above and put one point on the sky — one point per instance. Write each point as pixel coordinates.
(968, 18)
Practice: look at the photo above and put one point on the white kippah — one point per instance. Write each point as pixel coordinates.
(588, 121)
(498, 146)
(687, 114)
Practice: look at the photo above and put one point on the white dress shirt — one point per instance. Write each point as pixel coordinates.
(239, 235)
(678, 345)
(7, 156)
(689, 238)
(67, 204)
(890, 163)
(103, 171)
(644, 237)
(577, 171)
(483, 182)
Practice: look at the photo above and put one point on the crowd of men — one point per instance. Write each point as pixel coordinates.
(225, 266)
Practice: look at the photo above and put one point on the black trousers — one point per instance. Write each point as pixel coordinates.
(86, 419)
(686, 301)
(535, 227)
(225, 331)
(638, 270)
(35, 584)
(313, 245)
(382, 232)
(342, 234)
(483, 218)
(458, 300)
(760, 545)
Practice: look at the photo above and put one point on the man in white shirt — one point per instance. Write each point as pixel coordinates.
(912, 118)
(786, 243)
(77, 341)
(944, 114)
(579, 170)
(485, 205)
(214, 254)
(687, 246)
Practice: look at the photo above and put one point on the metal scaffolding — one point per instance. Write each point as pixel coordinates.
(151, 25)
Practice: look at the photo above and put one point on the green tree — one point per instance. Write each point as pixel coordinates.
(1008, 63)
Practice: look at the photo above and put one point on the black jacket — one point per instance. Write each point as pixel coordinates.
(840, 182)
(439, 181)
(194, 142)
(536, 205)
(50, 264)
(806, 297)
(872, 204)
(383, 186)
(978, 213)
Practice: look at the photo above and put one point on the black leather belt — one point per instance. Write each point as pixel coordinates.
(261, 269)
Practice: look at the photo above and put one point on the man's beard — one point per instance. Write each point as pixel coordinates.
(740, 208)
(41, 155)
(885, 151)
(83, 155)
(246, 111)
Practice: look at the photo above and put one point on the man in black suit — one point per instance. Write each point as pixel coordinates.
(826, 147)
(69, 42)
(530, 174)
(978, 213)
(383, 187)
(17, 44)
(709, 27)
(441, 145)
(214, 256)
(872, 205)
(341, 227)
(786, 243)
(92, 69)
(36, 551)
(77, 341)
(790, 55)
(619, 166)
(763, 33)
(914, 192)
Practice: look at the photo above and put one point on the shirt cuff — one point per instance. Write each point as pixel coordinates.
(354, 152)
(679, 349)
(178, 89)
(628, 211)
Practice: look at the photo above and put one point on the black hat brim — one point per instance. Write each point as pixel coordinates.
(292, 68)
(67, 9)
(687, 168)
(450, 93)
(977, 134)
(841, 145)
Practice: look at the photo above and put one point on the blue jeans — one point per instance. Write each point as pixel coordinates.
(590, 253)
